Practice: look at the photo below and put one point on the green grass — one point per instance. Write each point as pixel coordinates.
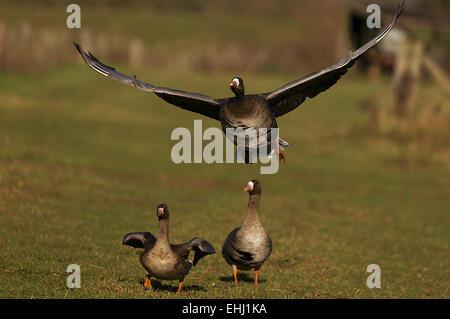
(85, 160)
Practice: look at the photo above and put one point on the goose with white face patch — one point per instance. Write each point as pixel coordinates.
(256, 111)
(163, 260)
(248, 246)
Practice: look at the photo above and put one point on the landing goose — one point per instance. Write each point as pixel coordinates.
(248, 246)
(248, 112)
(163, 260)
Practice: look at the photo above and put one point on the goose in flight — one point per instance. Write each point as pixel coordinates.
(249, 111)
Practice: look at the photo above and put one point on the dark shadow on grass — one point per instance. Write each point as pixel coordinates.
(241, 276)
(159, 286)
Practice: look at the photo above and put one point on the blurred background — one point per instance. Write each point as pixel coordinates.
(84, 160)
(258, 37)
(266, 36)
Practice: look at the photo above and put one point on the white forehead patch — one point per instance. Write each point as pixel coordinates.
(236, 81)
(250, 184)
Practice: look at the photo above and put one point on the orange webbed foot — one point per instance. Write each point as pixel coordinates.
(147, 283)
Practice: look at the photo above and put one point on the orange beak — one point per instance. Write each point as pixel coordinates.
(247, 189)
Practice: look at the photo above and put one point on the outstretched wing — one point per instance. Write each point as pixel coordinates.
(139, 240)
(291, 95)
(200, 247)
(194, 102)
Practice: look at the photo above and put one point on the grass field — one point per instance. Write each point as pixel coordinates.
(85, 160)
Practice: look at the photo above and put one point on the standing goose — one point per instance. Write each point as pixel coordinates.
(248, 246)
(254, 111)
(163, 260)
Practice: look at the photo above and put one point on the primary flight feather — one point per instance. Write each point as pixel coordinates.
(245, 111)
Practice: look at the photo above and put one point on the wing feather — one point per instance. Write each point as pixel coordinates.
(291, 95)
(193, 102)
(200, 247)
(139, 240)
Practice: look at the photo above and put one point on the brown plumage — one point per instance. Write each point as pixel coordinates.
(163, 260)
(248, 246)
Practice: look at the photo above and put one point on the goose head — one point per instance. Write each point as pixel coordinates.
(253, 187)
(162, 212)
(237, 86)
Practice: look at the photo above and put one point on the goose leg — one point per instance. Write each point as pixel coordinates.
(147, 283)
(179, 287)
(256, 277)
(235, 275)
(281, 155)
